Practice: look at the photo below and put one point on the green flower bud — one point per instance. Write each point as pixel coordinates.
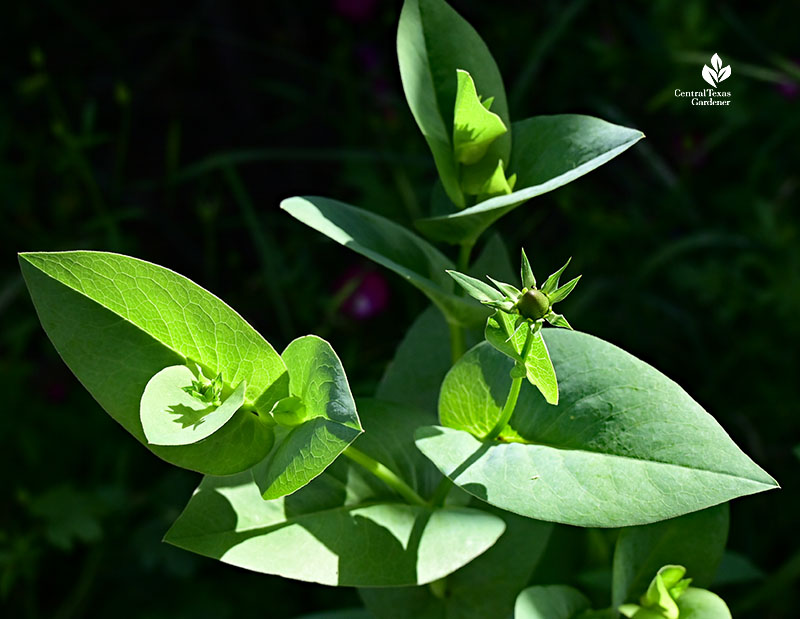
(534, 304)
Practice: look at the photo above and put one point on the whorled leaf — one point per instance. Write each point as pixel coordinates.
(548, 152)
(301, 452)
(625, 445)
(345, 527)
(170, 416)
(117, 321)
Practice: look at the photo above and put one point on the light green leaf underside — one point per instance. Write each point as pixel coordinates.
(550, 602)
(345, 527)
(486, 587)
(625, 445)
(538, 366)
(117, 321)
(548, 152)
(390, 245)
(428, 64)
(695, 541)
(170, 416)
(702, 604)
(317, 377)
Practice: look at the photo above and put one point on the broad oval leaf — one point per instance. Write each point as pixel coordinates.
(695, 541)
(485, 587)
(625, 445)
(550, 602)
(702, 604)
(548, 152)
(116, 321)
(351, 528)
(390, 245)
(170, 416)
(317, 378)
(428, 65)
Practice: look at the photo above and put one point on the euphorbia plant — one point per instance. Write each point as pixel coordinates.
(447, 483)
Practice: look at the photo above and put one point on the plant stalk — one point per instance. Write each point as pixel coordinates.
(513, 392)
(385, 475)
(457, 343)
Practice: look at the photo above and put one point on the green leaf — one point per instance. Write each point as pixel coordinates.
(563, 292)
(735, 569)
(558, 320)
(702, 604)
(475, 288)
(526, 273)
(487, 179)
(117, 321)
(501, 333)
(548, 152)
(428, 64)
(486, 587)
(552, 282)
(390, 245)
(317, 379)
(170, 416)
(550, 602)
(625, 445)
(695, 541)
(350, 526)
(474, 126)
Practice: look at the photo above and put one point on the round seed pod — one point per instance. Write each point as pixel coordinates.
(533, 305)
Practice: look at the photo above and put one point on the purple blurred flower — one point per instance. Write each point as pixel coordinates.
(788, 89)
(369, 296)
(355, 10)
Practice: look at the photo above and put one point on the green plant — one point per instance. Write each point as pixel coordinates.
(535, 426)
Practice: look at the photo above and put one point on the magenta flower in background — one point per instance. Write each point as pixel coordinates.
(369, 296)
(355, 10)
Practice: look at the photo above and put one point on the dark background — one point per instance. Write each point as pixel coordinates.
(172, 131)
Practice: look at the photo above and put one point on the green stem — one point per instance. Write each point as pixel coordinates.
(385, 475)
(457, 343)
(439, 588)
(513, 392)
(508, 409)
(441, 492)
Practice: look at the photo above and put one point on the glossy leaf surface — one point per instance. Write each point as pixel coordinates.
(550, 602)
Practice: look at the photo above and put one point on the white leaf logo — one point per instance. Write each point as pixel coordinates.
(718, 73)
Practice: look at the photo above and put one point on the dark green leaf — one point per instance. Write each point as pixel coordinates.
(552, 282)
(117, 321)
(625, 445)
(695, 541)
(475, 288)
(390, 245)
(548, 152)
(550, 602)
(563, 292)
(317, 378)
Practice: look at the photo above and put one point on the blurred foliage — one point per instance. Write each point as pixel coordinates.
(171, 132)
